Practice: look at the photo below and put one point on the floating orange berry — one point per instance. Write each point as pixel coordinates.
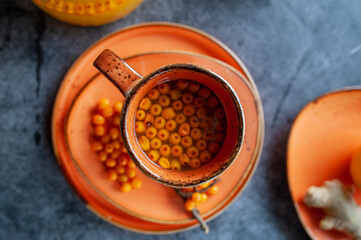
(108, 148)
(189, 205)
(170, 125)
(163, 134)
(174, 138)
(164, 150)
(201, 145)
(164, 88)
(103, 103)
(184, 129)
(102, 156)
(213, 102)
(186, 141)
(108, 112)
(154, 155)
(194, 122)
(205, 156)
(155, 109)
(182, 84)
(164, 162)
(159, 122)
(140, 114)
(145, 103)
(220, 113)
(184, 159)
(187, 97)
(99, 130)
(164, 100)
(195, 163)
(175, 94)
(189, 110)
(168, 113)
(144, 142)
(214, 147)
(199, 102)
(192, 152)
(105, 138)
(196, 133)
(180, 118)
(114, 133)
(155, 143)
(177, 105)
(130, 172)
(204, 93)
(148, 120)
(126, 187)
(136, 183)
(196, 197)
(112, 175)
(193, 87)
(151, 132)
(139, 127)
(176, 150)
(153, 94)
(175, 165)
(110, 162)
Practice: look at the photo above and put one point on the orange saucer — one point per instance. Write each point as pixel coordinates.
(324, 135)
(123, 213)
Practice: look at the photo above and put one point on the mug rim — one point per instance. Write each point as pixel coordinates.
(189, 67)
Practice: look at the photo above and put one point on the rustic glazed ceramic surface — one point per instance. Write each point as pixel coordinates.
(323, 138)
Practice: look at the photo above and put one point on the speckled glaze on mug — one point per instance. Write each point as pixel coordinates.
(134, 87)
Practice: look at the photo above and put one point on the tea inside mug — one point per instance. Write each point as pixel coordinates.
(180, 124)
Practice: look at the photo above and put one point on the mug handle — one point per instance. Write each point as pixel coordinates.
(117, 71)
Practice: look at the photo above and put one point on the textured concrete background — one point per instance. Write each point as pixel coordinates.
(295, 51)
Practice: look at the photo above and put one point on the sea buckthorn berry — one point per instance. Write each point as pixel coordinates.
(112, 175)
(164, 101)
(120, 169)
(136, 183)
(130, 172)
(180, 118)
(187, 97)
(116, 144)
(148, 120)
(177, 105)
(205, 185)
(159, 122)
(213, 102)
(189, 110)
(123, 178)
(175, 165)
(184, 129)
(168, 113)
(155, 109)
(175, 94)
(193, 87)
(155, 143)
(194, 122)
(99, 131)
(144, 143)
(201, 144)
(164, 150)
(196, 197)
(123, 149)
(97, 146)
(214, 147)
(110, 162)
(164, 162)
(213, 190)
(164, 88)
(221, 126)
(205, 156)
(114, 133)
(199, 102)
(140, 114)
(103, 103)
(189, 205)
(208, 135)
(116, 120)
(205, 124)
(151, 132)
(192, 152)
(118, 107)
(163, 134)
(204, 93)
(170, 125)
(196, 133)
(105, 138)
(109, 148)
(219, 137)
(108, 112)
(123, 160)
(176, 150)
(182, 84)
(145, 103)
(98, 119)
(102, 156)
(154, 155)
(184, 159)
(220, 113)
(131, 164)
(186, 141)
(204, 197)
(139, 127)
(126, 187)
(174, 138)
(202, 113)
(115, 154)
(195, 163)
(153, 94)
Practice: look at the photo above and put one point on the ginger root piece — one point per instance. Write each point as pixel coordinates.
(342, 213)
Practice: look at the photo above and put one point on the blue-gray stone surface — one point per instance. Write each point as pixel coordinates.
(295, 50)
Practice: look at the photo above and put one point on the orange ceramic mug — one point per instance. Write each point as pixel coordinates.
(134, 87)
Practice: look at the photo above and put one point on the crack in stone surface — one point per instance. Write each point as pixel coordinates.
(40, 27)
